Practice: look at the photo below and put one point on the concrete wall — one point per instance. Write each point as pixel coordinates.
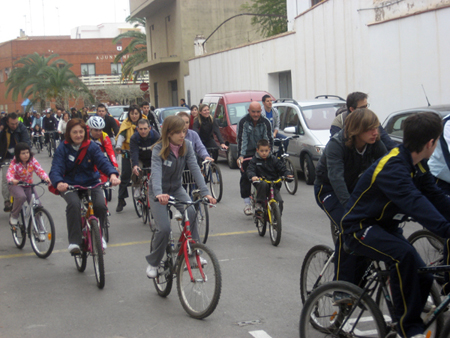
(337, 48)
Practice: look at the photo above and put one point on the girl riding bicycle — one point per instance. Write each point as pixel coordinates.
(21, 169)
(169, 158)
(75, 163)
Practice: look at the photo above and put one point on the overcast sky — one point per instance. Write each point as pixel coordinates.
(60, 16)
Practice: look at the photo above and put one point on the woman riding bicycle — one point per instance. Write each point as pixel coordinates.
(126, 130)
(170, 155)
(194, 114)
(206, 127)
(347, 155)
(62, 125)
(75, 163)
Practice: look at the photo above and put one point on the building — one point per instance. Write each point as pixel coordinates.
(384, 48)
(171, 29)
(102, 31)
(92, 59)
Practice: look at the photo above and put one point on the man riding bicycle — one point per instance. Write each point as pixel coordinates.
(399, 185)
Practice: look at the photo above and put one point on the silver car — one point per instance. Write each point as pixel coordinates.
(311, 120)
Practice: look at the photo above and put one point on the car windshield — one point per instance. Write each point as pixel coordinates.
(320, 117)
(169, 112)
(236, 111)
(115, 111)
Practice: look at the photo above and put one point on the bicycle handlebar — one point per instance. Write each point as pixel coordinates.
(25, 184)
(79, 187)
(282, 178)
(287, 138)
(173, 201)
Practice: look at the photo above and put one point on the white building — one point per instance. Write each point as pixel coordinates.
(103, 30)
(388, 49)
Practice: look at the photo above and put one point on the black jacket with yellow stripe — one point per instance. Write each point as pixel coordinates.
(392, 189)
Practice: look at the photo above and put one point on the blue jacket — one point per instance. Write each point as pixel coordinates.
(197, 144)
(64, 168)
(393, 188)
(140, 148)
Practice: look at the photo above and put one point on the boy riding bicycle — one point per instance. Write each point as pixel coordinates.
(264, 164)
(399, 185)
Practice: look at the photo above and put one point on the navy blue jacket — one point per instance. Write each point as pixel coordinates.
(140, 148)
(393, 188)
(64, 168)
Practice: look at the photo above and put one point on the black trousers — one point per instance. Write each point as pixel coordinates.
(125, 177)
(263, 192)
(244, 183)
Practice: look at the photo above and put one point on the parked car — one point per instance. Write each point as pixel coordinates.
(116, 111)
(394, 122)
(228, 108)
(311, 120)
(162, 113)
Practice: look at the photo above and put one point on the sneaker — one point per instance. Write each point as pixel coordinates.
(340, 297)
(152, 271)
(193, 261)
(8, 206)
(248, 210)
(120, 205)
(178, 215)
(74, 249)
(137, 193)
(42, 237)
(420, 335)
(104, 244)
(13, 221)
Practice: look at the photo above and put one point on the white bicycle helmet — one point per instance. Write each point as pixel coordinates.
(96, 122)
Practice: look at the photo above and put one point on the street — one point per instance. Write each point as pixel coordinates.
(260, 283)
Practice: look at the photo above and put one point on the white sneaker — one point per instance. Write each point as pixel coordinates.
(74, 249)
(13, 221)
(42, 237)
(419, 336)
(193, 261)
(152, 271)
(137, 193)
(248, 210)
(178, 215)
(104, 244)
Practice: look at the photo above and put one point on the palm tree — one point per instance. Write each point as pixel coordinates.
(136, 50)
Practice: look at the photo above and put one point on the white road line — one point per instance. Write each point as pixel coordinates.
(259, 334)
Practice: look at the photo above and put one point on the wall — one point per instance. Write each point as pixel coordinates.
(336, 49)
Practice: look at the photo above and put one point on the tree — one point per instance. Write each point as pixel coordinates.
(270, 16)
(40, 79)
(136, 50)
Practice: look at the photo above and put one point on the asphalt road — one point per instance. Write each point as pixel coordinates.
(260, 283)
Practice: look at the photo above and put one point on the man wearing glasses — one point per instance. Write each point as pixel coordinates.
(358, 100)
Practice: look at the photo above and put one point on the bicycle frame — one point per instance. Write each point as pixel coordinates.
(27, 211)
(272, 196)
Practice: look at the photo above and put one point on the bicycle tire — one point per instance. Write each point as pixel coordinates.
(105, 229)
(199, 297)
(446, 331)
(275, 224)
(53, 143)
(97, 254)
(202, 215)
(145, 210)
(81, 261)
(310, 274)
(215, 182)
(38, 147)
(360, 317)
(43, 224)
(261, 225)
(434, 299)
(291, 187)
(136, 203)
(19, 233)
(164, 279)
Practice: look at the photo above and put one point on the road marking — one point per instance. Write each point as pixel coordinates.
(127, 244)
(259, 334)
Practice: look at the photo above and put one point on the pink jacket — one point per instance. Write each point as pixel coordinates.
(17, 171)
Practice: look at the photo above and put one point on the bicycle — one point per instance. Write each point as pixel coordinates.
(37, 143)
(92, 236)
(359, 314)
(51, 146)
(40, 229)
(291, 186)
(142, 202)
(271, 213)
(199, 282)
(213, 176)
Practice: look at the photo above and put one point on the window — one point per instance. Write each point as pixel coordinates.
(87, 69)
(315, 2)
(116, 68)
(220, 116)
(1, 76)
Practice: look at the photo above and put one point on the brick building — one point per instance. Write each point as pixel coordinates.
(92, 61)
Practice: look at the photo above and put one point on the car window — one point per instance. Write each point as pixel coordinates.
(220, 116)
(212, 108)
(115, 111)
(170, 112)
(281, 115)
(320, 117)
(395, 125)
(236, 111)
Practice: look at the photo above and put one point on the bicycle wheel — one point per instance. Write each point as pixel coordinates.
(200, 295)
(97, 254)
(275, 224)
(261, 224)
(446, 331)
(137, 203)
(433, 301)
(291, 187)
(203, 223)
(80, 261)
(360, 317)
(53, 143)
(105, 229)
(43, 225)
(38, 147)
(18, 233)
(317, 269)
(145, 210)
(164, 280)
(215, 182)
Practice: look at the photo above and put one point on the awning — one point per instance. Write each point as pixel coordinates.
(25, 103)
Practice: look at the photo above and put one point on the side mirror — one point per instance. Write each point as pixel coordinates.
(290, 130)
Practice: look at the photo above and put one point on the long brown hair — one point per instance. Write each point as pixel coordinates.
(200, 108)
(172, 124)
(72, 123)
(358, 122)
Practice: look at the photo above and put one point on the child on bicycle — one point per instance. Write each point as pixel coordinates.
(21, 169)
(169, 157)
(38, 134)
(264, 164)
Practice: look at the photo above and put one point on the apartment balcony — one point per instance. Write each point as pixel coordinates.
(100, 81)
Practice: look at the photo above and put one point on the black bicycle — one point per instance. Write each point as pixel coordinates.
(51, 145)
(291, 185)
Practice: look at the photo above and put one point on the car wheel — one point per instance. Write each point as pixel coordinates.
(231, 160)
(308, 170)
